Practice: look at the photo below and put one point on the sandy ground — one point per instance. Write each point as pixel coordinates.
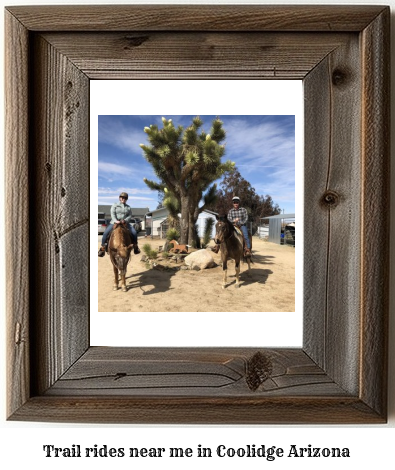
(269, 287)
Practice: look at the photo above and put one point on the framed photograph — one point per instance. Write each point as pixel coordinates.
(161, 291)
(339, 375)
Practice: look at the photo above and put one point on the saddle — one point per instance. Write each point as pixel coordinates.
(114, 227)
(240, 232)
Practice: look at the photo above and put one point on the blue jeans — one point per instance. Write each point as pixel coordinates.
(244, 229)
(107, 232)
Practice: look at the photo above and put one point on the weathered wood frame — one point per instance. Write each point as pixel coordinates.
(340, 374)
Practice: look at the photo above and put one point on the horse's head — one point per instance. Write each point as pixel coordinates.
(223, 229)
(120, 247)
(120, 257)
(121, 227)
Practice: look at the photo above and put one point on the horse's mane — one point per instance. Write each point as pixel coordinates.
(118, 226)
(122, 231)
(224, 218)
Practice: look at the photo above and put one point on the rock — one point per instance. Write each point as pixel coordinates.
(178, 257)
(200, 259)
(159, 267)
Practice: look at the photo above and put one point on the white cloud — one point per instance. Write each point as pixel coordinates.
(114, 169)
(265, 156)
(116, 133)
(133, 172)
(114, 192)
(262, 144)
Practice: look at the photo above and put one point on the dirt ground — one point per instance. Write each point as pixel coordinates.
(269, 287)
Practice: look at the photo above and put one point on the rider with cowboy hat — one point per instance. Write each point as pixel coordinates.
(121, 213)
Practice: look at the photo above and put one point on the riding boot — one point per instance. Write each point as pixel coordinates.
(136, 249)
(216, 248)
(247, 253)
(102, 251)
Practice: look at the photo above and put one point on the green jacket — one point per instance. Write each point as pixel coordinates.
(121, 211)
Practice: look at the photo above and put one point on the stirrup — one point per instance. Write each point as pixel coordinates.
(102, 252)
(136, 249)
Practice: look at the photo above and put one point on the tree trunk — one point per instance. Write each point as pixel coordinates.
(184, 229)
(194, 212)
(174, 222)
(192, 231)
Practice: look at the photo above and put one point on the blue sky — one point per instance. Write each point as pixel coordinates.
(263, 148)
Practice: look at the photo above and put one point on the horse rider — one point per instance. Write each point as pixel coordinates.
(238, 216)
(121, 213)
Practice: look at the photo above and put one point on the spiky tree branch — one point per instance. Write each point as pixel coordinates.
(186, 161)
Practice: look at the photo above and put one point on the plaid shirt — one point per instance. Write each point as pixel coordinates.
(240, 213)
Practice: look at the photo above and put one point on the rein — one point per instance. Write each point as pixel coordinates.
(232, 233)
(229, 236)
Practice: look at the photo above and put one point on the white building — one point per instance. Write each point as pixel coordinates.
(155, 220)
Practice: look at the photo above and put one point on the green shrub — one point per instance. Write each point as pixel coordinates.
(173, 234)
(151, 254)
(208, 227)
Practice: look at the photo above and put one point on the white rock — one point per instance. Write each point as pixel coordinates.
(200, 259)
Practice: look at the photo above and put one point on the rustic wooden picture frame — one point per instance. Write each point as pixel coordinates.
(340, 374)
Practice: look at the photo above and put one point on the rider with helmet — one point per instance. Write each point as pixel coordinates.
(239, 217)
(121, 213)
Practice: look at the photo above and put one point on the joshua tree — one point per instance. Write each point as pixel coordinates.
(187, 162)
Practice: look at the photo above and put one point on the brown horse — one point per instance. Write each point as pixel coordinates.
(119, 248)
(232, 246)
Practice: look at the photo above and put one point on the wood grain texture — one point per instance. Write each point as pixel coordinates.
(60, 201)
(332, 214)
(198, 410)
(339, 376)
(210, 372)
(196, 18)
(196, 55)
(375, 200)
(17, 236)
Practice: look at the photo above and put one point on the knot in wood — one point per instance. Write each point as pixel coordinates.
(259, 369)
(135, 41)
(339, 77)
(330, 199)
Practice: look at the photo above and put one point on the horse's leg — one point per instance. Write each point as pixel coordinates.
(115, 286)
(237, 268)
(249, 266)
(123, 282)
(224, 270)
